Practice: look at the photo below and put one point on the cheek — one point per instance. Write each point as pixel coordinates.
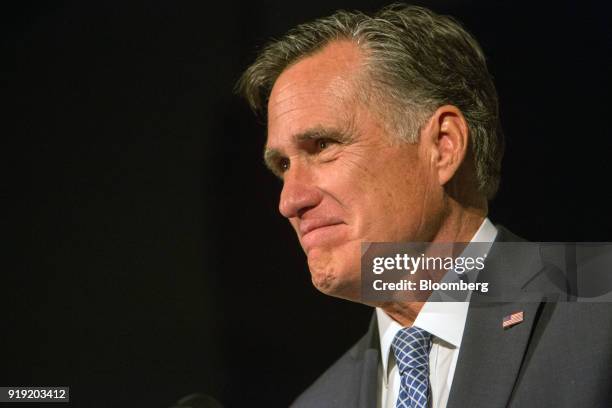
(391, 210)
(344, 183)
(357, 186)
(373, 189)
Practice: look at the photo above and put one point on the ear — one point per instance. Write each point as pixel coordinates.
(448, 134)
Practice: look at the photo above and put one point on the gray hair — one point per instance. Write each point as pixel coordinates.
(416, 61)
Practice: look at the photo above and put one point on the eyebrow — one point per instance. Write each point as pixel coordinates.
(271, 156)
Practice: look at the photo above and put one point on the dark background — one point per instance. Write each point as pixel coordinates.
(151, 260)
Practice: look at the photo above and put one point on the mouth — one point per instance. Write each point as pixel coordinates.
(318, 231)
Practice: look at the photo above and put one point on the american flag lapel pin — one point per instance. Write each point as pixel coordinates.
(513, 319)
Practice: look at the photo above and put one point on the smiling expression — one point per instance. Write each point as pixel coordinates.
(346, 180)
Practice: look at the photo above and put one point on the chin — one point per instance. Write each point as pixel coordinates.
(335, 278)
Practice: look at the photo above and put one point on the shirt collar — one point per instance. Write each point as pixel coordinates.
(444, 320)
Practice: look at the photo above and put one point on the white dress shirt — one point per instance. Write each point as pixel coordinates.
(445, 321)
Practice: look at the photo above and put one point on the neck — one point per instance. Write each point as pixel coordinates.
(459, 225)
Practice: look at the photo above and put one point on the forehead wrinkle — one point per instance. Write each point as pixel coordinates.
(292, 110)
(313, 96)
(340, 91)
(311, 76)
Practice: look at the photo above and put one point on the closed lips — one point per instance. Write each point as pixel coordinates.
(309, 225)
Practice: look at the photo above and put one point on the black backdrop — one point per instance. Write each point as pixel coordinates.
(151, 261)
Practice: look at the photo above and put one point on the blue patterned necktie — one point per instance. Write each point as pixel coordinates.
(411, 349)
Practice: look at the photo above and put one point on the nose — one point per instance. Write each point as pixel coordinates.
(299, 193)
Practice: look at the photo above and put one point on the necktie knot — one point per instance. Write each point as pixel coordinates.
(411, 348)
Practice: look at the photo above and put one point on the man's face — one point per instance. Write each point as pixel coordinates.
(345, 179)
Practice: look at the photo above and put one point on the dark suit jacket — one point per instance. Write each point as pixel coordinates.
(559, 356)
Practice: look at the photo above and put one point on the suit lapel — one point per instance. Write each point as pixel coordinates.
(369, 380)
(367, 358)
(490, 356)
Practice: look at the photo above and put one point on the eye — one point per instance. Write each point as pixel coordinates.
(283, 164)
(323, 144)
